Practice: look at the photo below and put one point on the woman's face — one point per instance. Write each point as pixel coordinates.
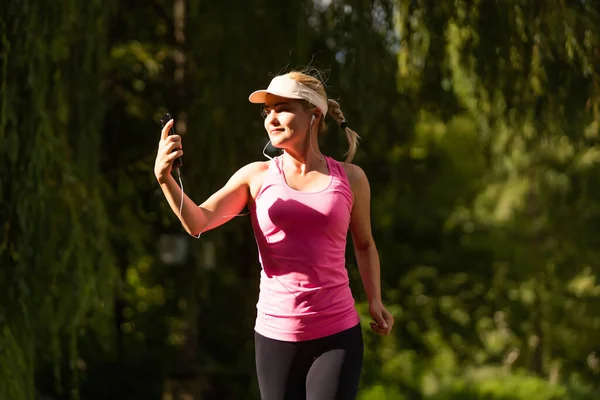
(286, 121)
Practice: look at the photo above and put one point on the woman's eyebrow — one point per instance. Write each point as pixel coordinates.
(277, 104)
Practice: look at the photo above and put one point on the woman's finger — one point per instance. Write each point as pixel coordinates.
(389, 318)
(166, 129)
(174, 155)
(377, 329)
(173, 138)
(380, 321)
(172, 146)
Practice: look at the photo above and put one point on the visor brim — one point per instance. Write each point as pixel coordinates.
(260, 96)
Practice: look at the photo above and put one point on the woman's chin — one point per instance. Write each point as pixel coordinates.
(278, 143)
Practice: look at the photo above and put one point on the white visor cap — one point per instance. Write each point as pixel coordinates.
(284, 86)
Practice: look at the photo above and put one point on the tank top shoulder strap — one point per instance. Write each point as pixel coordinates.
(336, 169)
(272, 176)
(340, 179)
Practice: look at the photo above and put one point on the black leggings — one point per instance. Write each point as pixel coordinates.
(323, 369)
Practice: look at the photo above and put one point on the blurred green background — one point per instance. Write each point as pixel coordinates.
(480, 135)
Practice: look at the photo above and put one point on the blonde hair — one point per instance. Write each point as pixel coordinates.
(334, 110)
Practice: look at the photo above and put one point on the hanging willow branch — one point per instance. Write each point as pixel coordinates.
(56, 263)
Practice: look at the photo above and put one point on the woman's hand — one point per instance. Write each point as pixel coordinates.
(169, 148)
(382, 317)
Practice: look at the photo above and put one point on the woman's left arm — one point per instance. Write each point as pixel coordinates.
(366, 250)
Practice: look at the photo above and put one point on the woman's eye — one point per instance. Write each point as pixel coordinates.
(265, 112)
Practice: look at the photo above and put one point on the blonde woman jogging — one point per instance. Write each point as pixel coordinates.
(308, 340)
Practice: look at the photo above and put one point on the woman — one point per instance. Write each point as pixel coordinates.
(307, 335)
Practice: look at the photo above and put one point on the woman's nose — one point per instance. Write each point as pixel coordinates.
(272, 117)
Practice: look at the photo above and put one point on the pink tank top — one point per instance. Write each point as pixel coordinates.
(301, 239)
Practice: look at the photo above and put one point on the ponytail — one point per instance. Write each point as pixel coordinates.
(336, 113)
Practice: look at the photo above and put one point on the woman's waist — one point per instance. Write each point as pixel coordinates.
(276, 323)
(296, 298)
(301, 279)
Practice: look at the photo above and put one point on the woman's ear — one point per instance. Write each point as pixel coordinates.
(316, 116)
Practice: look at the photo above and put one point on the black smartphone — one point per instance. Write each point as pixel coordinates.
(178, 162)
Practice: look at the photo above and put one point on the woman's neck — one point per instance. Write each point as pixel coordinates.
(304, 162)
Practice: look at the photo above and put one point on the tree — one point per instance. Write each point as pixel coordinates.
(56, 277)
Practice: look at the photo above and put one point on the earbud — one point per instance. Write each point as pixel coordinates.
(312, 120)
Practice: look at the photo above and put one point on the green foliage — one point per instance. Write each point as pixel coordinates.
(479, 133)
(57, 266)
(380, 392)
(493, 226)
(497, 385)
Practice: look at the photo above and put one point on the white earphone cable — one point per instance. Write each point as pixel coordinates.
(320, 157)
(182, 196)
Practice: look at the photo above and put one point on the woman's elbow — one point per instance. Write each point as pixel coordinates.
(365, 245)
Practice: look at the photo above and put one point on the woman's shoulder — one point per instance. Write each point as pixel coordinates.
(255, 167)
(249, 171)
(254, 174)
(356, 175)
